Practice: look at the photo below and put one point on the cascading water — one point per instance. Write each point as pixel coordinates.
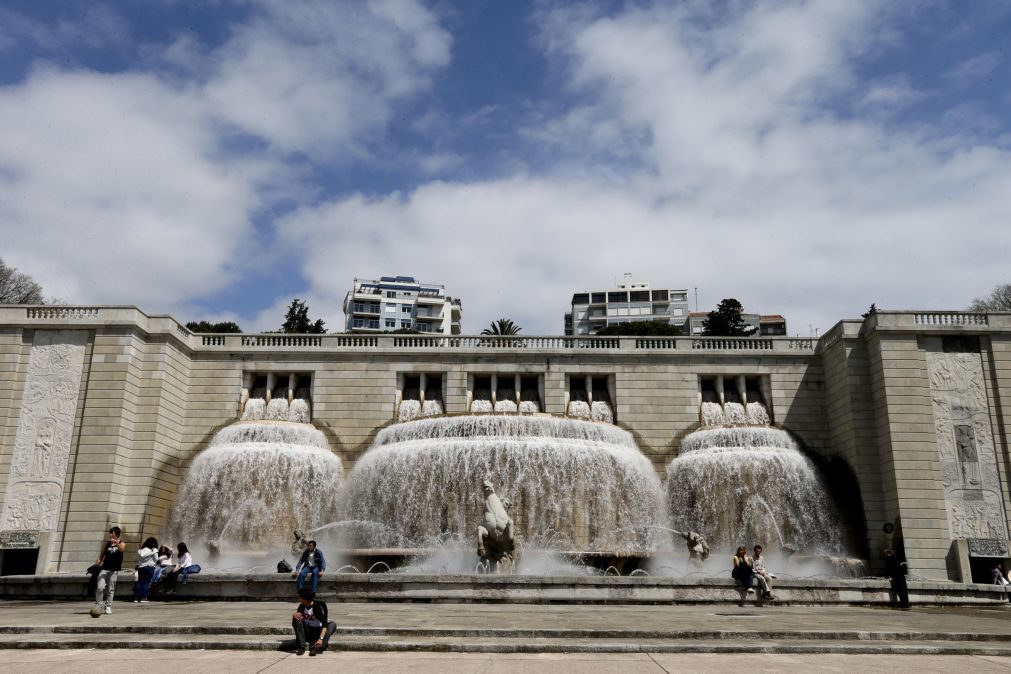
(257, 482)
(744, 485)
(580, 485)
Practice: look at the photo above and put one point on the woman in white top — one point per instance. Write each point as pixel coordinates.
(147, 558)
(164, 563)
(185, 561)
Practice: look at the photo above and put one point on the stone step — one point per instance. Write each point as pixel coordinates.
(227, 631)
(502, 645)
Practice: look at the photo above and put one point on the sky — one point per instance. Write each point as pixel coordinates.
(214, 160)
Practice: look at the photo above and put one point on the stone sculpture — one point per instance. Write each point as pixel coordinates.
(698, 549)
(496, 545)
(300, 542)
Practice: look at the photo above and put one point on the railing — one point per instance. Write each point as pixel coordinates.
(62, 313)
(352, 341)
(802, 344)
(950, 318)
(282, 340)
(212, 340)
(661, 343)
(731, 344)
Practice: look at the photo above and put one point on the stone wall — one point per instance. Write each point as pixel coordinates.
(152, 396)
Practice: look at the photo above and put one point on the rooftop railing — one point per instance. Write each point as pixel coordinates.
(92, 317)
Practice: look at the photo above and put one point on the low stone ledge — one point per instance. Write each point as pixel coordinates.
(357, 587)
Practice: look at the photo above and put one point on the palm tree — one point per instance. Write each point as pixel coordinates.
(503, 326)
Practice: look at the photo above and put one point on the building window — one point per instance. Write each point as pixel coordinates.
(617, 297)
(640, 295)
(581, 298)
(598, 298)
(678, 297)
(391, 293)
(659, 295)
(405, 309)
(391, 323)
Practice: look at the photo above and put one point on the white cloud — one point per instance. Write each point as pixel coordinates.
(129, 188)
(756, 172)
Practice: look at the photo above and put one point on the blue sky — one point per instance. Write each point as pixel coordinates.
(214, 160)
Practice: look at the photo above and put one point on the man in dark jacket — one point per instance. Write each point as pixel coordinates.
(312, 624)
(896, 572)
(311, 562)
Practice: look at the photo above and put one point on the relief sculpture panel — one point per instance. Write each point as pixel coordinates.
(965, 444)
(45, 429)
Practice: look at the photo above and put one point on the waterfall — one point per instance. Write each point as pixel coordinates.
(256, 483)
(747, 485)
(577, 484)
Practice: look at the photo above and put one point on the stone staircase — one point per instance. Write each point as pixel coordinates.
(512, 640)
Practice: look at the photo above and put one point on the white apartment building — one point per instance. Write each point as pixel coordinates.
(629, 301)
(401, 303)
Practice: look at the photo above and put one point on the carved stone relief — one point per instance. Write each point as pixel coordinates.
(965, 445)
(45, 428)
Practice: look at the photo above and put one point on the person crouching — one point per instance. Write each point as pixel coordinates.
(311, 623)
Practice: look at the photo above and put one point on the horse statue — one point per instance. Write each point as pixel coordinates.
(495, 543)
(698, 549)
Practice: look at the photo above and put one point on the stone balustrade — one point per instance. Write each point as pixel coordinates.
(912, 321)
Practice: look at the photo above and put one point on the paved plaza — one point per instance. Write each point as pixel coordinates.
(251, 637)
(243, 662)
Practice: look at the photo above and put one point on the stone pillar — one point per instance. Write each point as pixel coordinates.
(912, 484)
(589, 390)
(271, 383)
(292, 379)
(422, 384)
(719, 390)
(742, 389)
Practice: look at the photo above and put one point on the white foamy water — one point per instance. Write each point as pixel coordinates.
(747, 486)
(579, 409)
(529, 407)
(277, 410)
(586, 483)
(481, 406)
(757, 414)
(255, 484)
(601, 411)
(298, 411)
(505, 406)
(431, 408)
(255, 410)
(712, 414)
(734, 413)
(409, 409)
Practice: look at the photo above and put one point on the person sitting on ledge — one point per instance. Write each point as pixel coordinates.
(762, 574)
(183, 568)
(743, 573)
(311, 622)
(311, 562)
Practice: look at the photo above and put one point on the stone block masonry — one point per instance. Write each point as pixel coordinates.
(111, 442)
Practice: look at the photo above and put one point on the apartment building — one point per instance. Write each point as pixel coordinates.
(401, 303)
(628, 301)
(766, 325)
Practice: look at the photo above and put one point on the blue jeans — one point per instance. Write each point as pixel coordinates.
(305, 572)
(142, 587)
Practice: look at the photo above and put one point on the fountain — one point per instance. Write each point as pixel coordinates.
(259, 480)
(583, 485)
(743, 485)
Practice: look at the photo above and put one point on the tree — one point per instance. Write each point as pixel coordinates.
(297, 320)
(726, 321)
(872, 310)
(640, 329)
(502, 326)
(999, 299)
(204, 326)
(17, 287)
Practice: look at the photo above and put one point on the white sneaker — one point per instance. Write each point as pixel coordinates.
(108, 609)
(751, 590)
